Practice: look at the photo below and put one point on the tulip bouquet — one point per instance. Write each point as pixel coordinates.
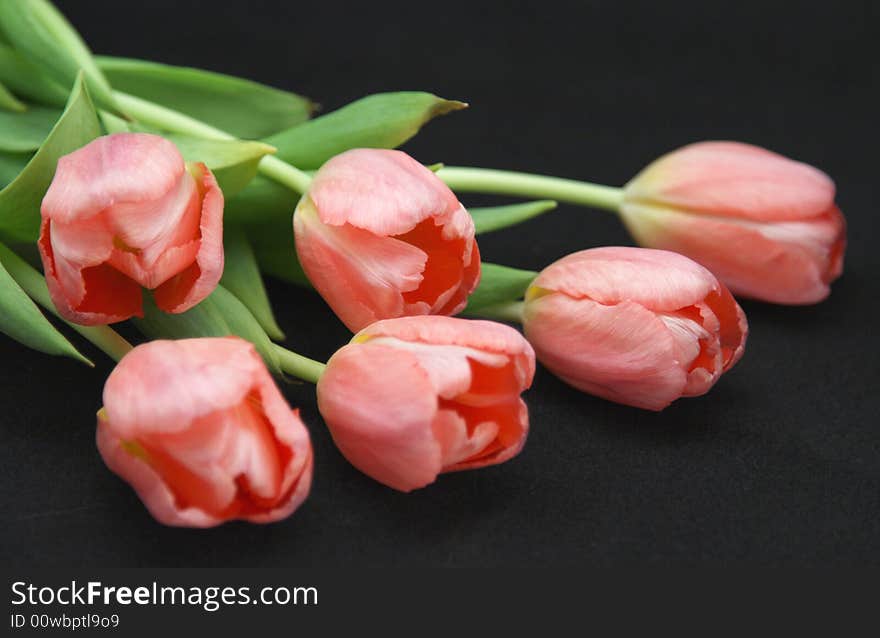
(160, 195)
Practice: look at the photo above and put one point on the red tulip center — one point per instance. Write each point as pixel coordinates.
(443, 269)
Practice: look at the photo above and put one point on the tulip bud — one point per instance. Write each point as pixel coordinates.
(380, 236)
(633, 325)
(125, 212)
(767, 226)
(201, 432)
(410, 398)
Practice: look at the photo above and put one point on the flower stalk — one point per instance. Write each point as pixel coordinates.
(486, 180)
(299, 366)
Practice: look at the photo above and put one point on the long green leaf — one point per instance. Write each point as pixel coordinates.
(240, 107)
(493, 218)
(242, 323)
(11, 164)
(276, 253)
(220, 315)
(26, 131)
(25, 78)
(241, 276)
(9, 102)
(40, 33)
(233, 162)
(383, 120)
(22, 320)
(499, 284)
(204, 320)
(262, 201)
(20, 200)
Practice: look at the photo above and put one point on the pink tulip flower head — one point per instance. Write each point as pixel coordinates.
(637, 326)
(380, 236)
(767, 226)
(412, 397)
(124, 213)
(201, 432)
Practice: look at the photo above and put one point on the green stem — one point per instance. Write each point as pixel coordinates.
(284, 173)
(512, 311)
(33, 283)
(487, 180)
(171, 120)
(300, 366)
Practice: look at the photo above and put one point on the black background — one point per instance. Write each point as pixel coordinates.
(779, 464)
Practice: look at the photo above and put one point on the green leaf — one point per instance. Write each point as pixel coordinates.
(263, 201)
(242, 323)
(21, 132)
(233, 162)
(383, 120)
(499, 284)
(219, 315)
(497, 217)
(276, 253)
(203, 320)
(22, 320)
(26, 79)
(241, 276)
(11, 164)
(240, 107)
(37, 30)
(34, 284)
(9, 102)
(115, 124)
(20, 200)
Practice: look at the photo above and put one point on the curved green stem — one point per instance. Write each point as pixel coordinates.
(487, 180)
(171, 120)
(511, 311)
(34, 284)
(300, 366)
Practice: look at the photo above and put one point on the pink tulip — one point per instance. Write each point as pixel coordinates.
(410, 398)
(125, 212)
(201, 432)
(380, 236)
(767, 226)
(636, 326)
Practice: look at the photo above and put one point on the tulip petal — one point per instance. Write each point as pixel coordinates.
(94, 295)
(381, 236)
(790, 262)
(148, 237)
(497, 433)
(698, 352)
(192, 285)
(733, 329)
(202, 433)
(659, 280)
(150, 487)
(295, 451)
(356, 271)
(124, 167)
(622, 352)
(734, 180)
(171, 383)
(488, 336)
(382, 191)
(381, 422)
(448, 367)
